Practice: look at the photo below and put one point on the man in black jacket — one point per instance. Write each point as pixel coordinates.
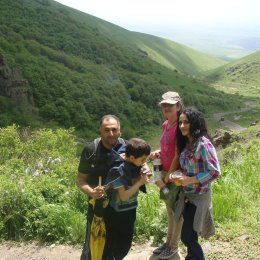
(94, 165)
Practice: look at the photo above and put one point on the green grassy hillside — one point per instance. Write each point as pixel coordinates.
(79, 68)
(176, 56)
(242, 78)
(166, 52)
(238, 76)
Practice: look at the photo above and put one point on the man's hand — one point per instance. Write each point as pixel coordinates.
(98, 192)
(82, 183)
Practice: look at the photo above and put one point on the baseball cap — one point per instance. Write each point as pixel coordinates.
(170, 98)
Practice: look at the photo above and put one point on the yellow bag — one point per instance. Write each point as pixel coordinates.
(97, 236)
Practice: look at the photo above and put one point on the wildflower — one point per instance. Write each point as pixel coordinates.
(21, 186)
(40, 164)
(27, 171)
(35, 172)
(46, 171)
(57, 160)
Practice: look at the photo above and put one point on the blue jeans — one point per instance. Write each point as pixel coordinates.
(189, 236)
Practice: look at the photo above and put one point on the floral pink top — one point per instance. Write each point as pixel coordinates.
(167, 144)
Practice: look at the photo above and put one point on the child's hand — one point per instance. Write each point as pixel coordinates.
(154, 155)
(145, 170)
(144, 179)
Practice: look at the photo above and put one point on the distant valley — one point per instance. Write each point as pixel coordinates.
(221, 42)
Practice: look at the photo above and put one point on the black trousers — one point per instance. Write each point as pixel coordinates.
(189, 236)
(120, 231)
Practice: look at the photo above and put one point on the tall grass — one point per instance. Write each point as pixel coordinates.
(236, 203)
(151, 216)
(236, 195)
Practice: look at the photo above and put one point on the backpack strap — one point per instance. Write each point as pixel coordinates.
(96, 142)
(121, 140)
(96, 149)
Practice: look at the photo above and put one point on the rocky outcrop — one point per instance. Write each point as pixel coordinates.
(222, 138)
(254, 123)
(12, 85)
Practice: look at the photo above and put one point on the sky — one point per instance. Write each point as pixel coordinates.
(159, 17)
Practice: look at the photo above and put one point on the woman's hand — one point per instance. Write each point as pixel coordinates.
(174, 177)
(184, 180)
(167, 178)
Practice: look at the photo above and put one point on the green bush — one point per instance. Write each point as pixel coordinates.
(37, 176)
(55, 222)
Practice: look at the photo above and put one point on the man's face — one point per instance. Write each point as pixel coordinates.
(109, 132)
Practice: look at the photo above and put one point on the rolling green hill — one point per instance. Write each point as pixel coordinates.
(238, 76)
(176, 56)
(166, 52)
(72, 68)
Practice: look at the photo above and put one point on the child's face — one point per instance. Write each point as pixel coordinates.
(139, 161)
(170, 111)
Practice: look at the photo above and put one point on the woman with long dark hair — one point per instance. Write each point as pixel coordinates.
(199, 165)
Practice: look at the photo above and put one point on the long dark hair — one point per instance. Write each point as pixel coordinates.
(198, 127)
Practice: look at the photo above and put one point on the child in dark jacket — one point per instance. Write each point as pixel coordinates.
(121, 211)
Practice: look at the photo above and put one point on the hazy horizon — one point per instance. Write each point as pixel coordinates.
(230, 27)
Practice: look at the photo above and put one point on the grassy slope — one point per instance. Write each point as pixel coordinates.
(176, 56)
(240, 77)
(242, 72)
(166, 52)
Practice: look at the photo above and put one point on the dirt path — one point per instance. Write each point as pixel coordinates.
(229, 124)
(214, 250)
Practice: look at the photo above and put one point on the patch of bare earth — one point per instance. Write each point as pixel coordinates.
(35, 251)
(241, 248)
